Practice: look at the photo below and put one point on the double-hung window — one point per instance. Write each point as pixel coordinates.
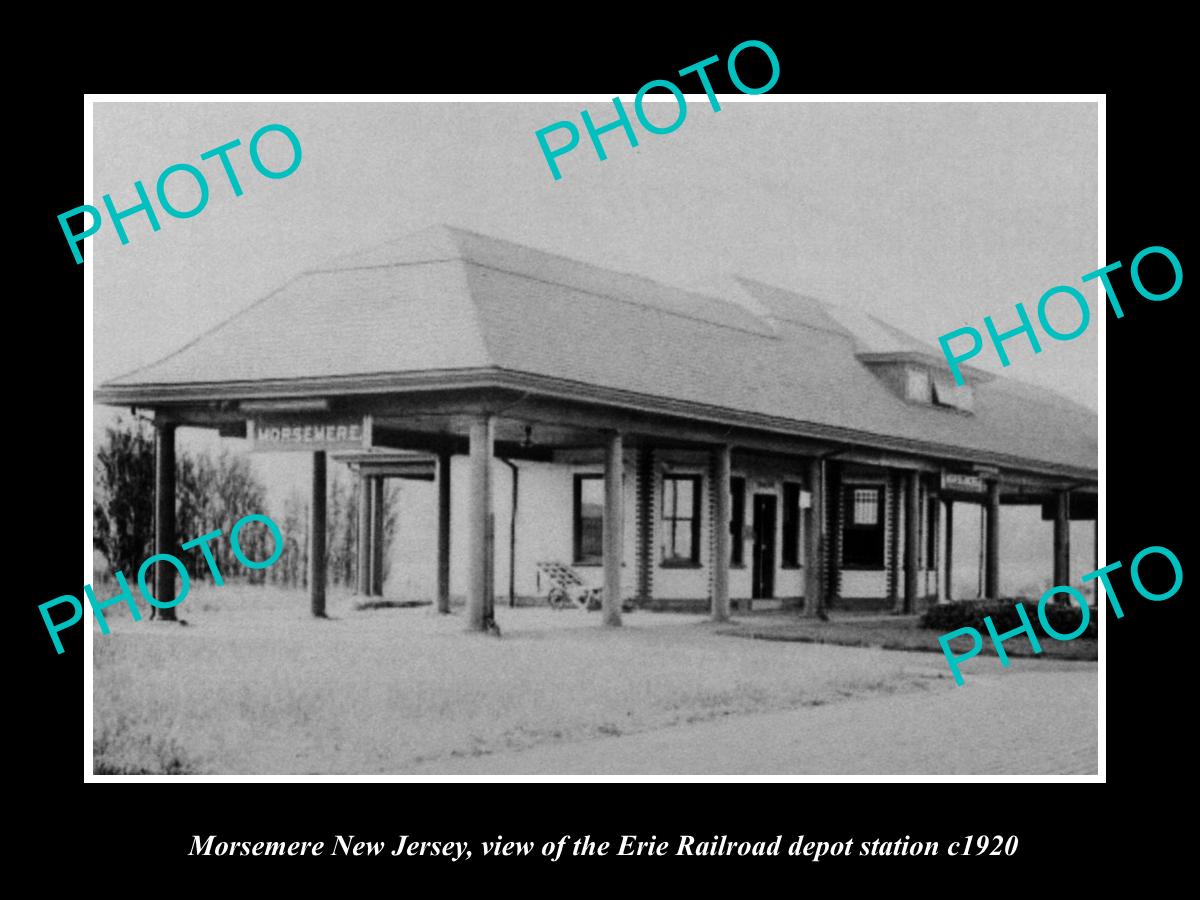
(862, 531)
(589, 519)
(681, 519)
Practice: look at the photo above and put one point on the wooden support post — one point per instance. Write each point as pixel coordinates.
(1062, 539)
(991, 573)
(316, 537)
(721, 537)
(364, 535)
(912, 538)
(892, 509)
(814, 529)
(949, 550)
(371, 501)
(377, 487)
(489, 593)
(164, 516)
(646, 491)
(479, 548)
(443, 533)
(515, 473)
(612, 539)
(982, 548)
(934, 540)
(833, 507)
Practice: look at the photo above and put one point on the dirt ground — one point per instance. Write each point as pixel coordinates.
(253, 684)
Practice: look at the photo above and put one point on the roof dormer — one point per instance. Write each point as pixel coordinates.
(924, 379)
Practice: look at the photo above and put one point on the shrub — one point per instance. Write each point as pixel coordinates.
(1063, 617)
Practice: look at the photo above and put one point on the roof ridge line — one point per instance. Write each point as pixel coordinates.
(843, 335)
(572, 261)
(208, 331)
(582, 262)
(582, 290)
(668, 312)
(772, 314)
(391, 265)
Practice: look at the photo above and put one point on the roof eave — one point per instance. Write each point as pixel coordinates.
(153, 395)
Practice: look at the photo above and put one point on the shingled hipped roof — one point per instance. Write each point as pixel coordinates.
(445, 299)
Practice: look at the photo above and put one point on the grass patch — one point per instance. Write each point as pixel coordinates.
(1063, 617)
(901, 633)
(127, 747)
(257, 685)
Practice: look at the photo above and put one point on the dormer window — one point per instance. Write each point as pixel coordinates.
(916, 378)
(947, 393)
(917, 387)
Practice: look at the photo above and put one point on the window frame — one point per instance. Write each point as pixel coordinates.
(850, 527)
(790, 552)
(930, 544)
(692, 561)
(737, 522)
(577, 556)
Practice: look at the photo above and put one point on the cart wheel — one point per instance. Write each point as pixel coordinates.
(555, 598)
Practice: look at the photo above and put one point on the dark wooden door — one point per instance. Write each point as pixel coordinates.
(763, 567)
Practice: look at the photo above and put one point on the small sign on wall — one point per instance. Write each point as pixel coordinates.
(309, 433)
(965, 484)
(806, 499)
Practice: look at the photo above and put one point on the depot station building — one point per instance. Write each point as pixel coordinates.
(676, 449)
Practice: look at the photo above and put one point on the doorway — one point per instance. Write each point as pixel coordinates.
(763, 566)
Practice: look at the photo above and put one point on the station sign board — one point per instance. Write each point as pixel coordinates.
(308, 433)
(960, 483)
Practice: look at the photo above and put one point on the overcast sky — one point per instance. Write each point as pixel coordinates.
(929, 215)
